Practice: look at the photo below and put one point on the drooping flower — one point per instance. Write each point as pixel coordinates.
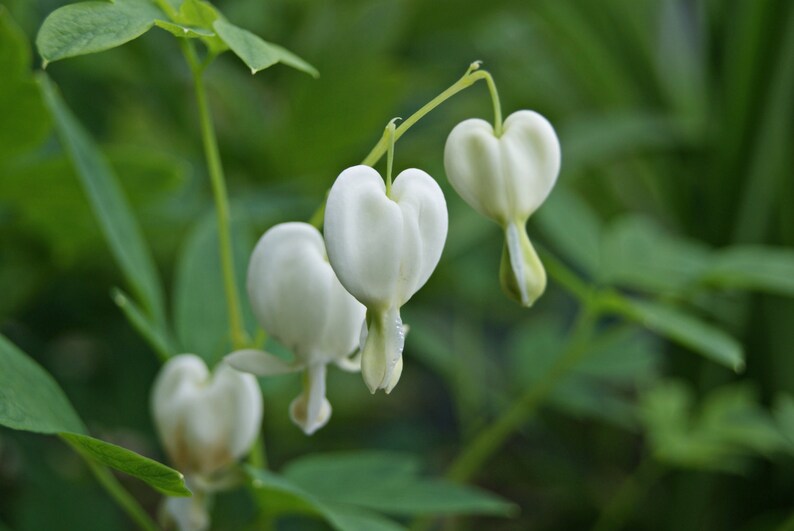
(206, 422)
(506, 178)
(297, 298)
(384, 246)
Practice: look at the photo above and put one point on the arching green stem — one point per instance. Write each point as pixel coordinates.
(390, 157)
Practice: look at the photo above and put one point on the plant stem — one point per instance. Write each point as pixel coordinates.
(210, 143)
(390, 156)
(618, 509)
(471, 76)
(123, 498)
(488, 442)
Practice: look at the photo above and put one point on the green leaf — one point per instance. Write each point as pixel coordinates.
(729, 428)
(573, 227)
(638, 254)
(256, 53)
(160, 477)
(758, 268)
(280, 496)
(784, 414)
(24, 122)
(110, 206)
(388, 482)
(200, 315)
(183, 31)
(682, 328)
(30, 400)
(90, 27)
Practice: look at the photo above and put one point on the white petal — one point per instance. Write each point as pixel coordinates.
(205, 422)
(505, 178)
(363, 235)
(381, 352)
(298, 299)
(261, 363)
(521, 273)
(382, 248)
(311, 410)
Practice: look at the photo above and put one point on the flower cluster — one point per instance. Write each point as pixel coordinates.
(335, 298)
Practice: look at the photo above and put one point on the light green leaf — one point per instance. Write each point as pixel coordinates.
(682, 328)
(388, 482)
(200, 315)
(256, 53)
(638, 254)
(759, 268)
(573, 227)
(110, 206)
(90, 27)
(183, 31)
(346, 518)
(729, 428)
(30, 400)
(160, 477)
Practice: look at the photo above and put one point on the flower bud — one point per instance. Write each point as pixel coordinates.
(297, 298)
(383, 249)
(506, 179)
(205, 421)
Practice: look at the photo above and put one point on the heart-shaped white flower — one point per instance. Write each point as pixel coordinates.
(297, 299)
(383, 249)
(507, 178)
(205, 421)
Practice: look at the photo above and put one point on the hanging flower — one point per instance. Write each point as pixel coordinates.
(507, 178)
(206, 422)
(297, 298)
(384, 245)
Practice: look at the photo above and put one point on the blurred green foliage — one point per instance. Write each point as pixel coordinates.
(674, 204)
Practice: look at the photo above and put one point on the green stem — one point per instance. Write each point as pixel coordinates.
(488, 442)
(471, 76)
(390, 155)
(619, 508)
(123, 498)
(210, 142)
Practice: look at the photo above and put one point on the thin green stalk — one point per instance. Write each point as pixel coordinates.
(125, 501)
(215, 168)
(390, 155)
(619, 508)
(472, 75)
(491, 439)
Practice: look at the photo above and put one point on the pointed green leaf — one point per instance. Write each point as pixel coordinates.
(257, 53)
(760, 268)
(389, 483)
(183, 31)
(30, 400)
(90, 27)
(682, 328)
(110, 205)
(160, 477)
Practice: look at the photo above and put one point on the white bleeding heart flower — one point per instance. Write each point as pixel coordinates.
(507, 178)
(384, 247)
(297, 298)
(205, 421)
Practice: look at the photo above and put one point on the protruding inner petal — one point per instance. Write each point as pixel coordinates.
(311, 410)
(351, 363)
(261, 363)
(521, 273)
(382, 350)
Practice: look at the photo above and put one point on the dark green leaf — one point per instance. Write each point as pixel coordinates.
(160, 477)
(683, 328)
(30, 399)
(387, 482)
(110, 206)
(90, 27)
(256, 53)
